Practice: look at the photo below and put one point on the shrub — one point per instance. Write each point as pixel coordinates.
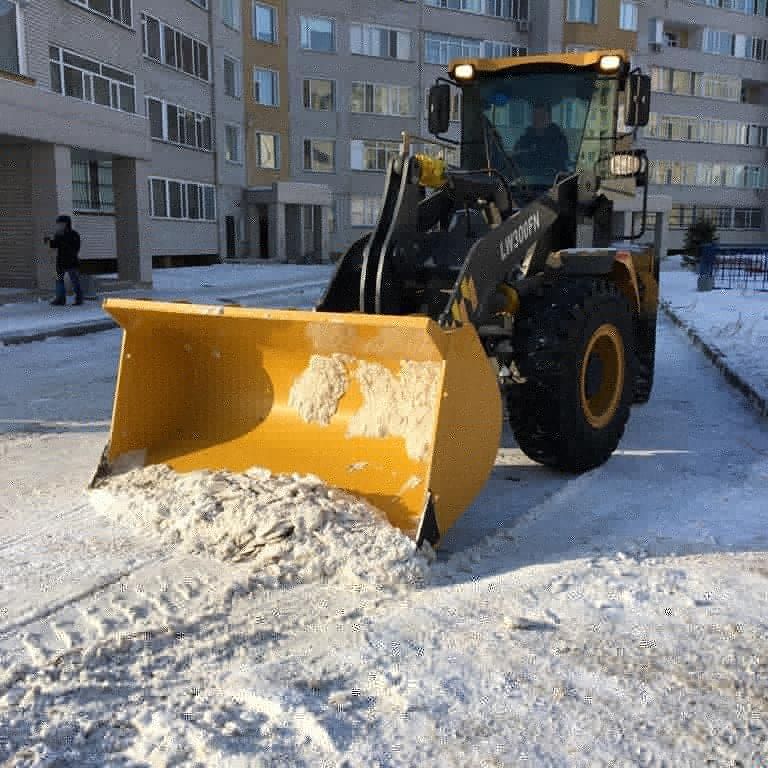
(699, 232)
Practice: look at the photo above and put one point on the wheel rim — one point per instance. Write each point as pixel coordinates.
(601, 380)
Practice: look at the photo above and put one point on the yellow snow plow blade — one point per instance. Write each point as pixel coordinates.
(393, 409)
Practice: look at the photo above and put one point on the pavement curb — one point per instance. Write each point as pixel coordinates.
(106, 324)
(755, 400)
(77, 329)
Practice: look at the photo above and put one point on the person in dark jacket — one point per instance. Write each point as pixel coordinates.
(543, 149)
(66, 241)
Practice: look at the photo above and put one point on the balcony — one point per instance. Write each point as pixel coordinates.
(33, 114)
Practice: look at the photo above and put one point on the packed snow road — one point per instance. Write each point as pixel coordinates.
(618, 618)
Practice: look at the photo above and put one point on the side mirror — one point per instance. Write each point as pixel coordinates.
(638, 107)
(439, 108)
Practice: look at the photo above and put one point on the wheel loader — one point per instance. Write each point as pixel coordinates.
(489, 286)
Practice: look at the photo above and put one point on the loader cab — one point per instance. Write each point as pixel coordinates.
(538, 119)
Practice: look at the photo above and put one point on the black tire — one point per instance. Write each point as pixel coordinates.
(565, 416)
(646, 361)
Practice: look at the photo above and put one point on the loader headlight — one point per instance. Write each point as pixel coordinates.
(625, 164)
(610, 63)
(464, 72)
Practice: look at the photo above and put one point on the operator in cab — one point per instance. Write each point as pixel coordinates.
(543, 149)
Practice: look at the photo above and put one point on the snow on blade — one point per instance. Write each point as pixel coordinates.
(289, 528)
(316, 393)
(401, 406)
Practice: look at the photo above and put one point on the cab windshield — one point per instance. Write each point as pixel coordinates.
(531, 127)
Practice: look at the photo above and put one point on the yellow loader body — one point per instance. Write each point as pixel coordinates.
(210, 387)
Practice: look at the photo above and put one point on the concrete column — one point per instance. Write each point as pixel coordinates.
(253, 232)
(325, 234)
(277, 244)
(661, 234)
(134, 258)
(51, 179)
(301, 241)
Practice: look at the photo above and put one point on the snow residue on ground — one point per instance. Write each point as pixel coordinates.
(403, 406)
(618, 618)
(244, 283)
(315, 394)
(734, 321)
(289, 529)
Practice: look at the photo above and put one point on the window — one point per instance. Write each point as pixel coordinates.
(171, 47)
(757, 49)
(11, 38)
(178, 125)
(92, 189)
(471, 6)
(718, 41)
(709, 174)
(232, 151)
(318, 34)
(375, 99)
(232, 80)
(496, 50)
(707, 130)
(748, 218)
(505, 9)
(266, 150)
(264, 25)
(581, 10)
(230, 13)
(364, 211)
(440, 49)
(683, 216)
(320, 155)
(89, 80)
(320, 95)
(386, 42)
(712, 86)
(188, 200)
(372, 155)
(118, 10)
(265, 87)
(628, 15)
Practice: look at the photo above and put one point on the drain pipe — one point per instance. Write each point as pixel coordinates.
(212, 56)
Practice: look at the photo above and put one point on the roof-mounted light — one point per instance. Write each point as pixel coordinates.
(610, 63)
(464, 72)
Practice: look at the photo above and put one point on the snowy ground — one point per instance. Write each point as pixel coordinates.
(619, 618)
(734, 321)
(247, 284)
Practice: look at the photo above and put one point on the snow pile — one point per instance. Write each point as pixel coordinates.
(401, 406)
(289, 528)
(734, 322)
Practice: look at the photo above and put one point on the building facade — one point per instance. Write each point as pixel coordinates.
(193, 130)
(708, 134)
(119, 115)
(358, 74)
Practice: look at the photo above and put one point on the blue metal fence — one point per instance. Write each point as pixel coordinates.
(735, 266)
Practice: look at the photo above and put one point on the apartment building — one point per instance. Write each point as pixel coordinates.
(118, 113)
(708, 135)
(289, 219)
(358, 74)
